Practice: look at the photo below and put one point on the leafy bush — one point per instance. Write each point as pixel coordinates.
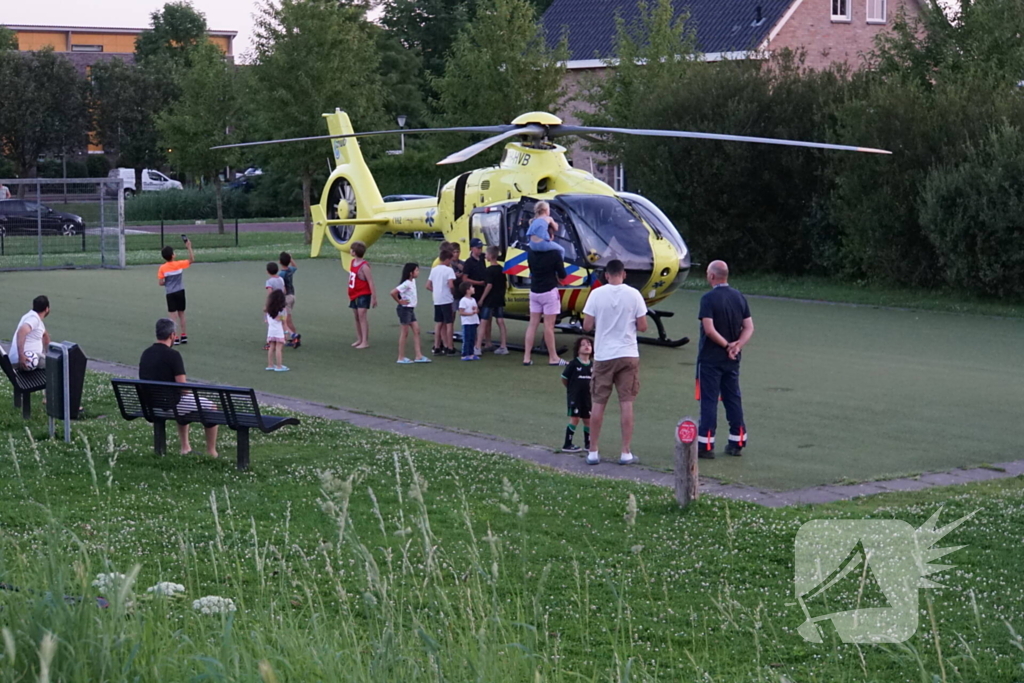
(54, 168)
(97, 166)
(201, 204)
(973, 214)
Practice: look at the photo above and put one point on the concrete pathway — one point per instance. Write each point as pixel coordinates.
(576, 465)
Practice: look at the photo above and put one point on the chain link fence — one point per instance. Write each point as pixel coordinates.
(61, 223)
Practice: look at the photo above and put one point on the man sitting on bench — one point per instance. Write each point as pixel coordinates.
(161, 363)
(31, 335)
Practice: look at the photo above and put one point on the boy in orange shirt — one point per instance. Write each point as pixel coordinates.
(171, 277)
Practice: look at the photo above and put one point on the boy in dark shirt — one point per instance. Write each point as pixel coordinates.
(576, 378)
(492, 303)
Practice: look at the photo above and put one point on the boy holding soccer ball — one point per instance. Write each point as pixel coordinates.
(30, 337)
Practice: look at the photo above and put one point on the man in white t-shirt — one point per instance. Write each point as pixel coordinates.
(441, 283)
(31, 334)
(615, 312)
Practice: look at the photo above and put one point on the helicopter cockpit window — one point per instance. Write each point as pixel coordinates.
(609, 230)
(487, 227)
(656, 218)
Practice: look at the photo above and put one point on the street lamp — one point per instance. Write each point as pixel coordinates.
(401, 124)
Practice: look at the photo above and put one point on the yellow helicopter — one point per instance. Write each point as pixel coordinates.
(596, 224)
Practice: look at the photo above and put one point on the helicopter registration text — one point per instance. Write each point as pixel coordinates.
(517, 158)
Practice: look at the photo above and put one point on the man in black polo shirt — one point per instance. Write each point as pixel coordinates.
(725, 328)
(161, 363)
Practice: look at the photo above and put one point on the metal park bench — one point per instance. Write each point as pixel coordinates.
(208, 405)
(24, 382)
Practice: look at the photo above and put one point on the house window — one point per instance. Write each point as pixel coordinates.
(876, 11)
(87, 48)
(841, 10)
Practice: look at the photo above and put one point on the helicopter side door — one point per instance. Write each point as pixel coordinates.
(518, 220)
(488, 225)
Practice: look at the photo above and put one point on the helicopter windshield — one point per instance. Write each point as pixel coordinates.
(608, 230)
(656, 217)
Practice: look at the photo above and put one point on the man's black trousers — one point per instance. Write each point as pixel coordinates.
(714, 380)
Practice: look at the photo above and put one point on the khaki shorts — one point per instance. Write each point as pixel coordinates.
(623, 373)
(289, 302)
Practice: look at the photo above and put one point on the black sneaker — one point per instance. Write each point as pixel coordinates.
(733, 449)
(450, 352)
(706, 455)
(571, 448)
(184, 339)
(436, 351)
(177, 340)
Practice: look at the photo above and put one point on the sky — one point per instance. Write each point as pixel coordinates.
(221, 15)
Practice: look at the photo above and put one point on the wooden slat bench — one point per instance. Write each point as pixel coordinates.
(205, 404)
(24, 382)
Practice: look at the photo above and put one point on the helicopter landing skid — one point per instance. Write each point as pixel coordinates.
(661, 340)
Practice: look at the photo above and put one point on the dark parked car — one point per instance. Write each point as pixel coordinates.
(18, 217)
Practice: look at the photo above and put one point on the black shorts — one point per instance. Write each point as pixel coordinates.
(444, 314)
(362, 301)
(176, 301)
(406, 314)
(580, 408)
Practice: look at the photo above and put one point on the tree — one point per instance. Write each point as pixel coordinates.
(428, 27)
(8, 39)
(501, 66)
(127, 100)
(933, 92)
(311, 56)
(403, 80)
(44, 107)
(177, 32)
(202, 118)
(129, 96)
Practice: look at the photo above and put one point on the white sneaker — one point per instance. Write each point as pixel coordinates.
(628, 459)
(593, 458)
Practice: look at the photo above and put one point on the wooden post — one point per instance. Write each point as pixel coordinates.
(686, 479)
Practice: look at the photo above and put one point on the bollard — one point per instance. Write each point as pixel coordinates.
(686, 479)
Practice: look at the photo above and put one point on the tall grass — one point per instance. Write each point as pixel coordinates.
(384, 602)
(354, 556)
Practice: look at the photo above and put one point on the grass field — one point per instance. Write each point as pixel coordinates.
(353, 555)
(832, 393)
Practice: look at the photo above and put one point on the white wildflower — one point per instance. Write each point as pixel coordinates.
(631, 510)
(106, 582)
(214, 604)
(166, 588)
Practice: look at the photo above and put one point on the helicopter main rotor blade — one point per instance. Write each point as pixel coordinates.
(406, 131)
(558, 131)
(531, 130)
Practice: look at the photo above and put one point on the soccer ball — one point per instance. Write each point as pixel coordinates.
(31, 360)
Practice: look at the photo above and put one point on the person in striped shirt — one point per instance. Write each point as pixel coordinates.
(171, 277)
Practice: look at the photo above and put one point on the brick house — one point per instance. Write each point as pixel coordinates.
(828, 30)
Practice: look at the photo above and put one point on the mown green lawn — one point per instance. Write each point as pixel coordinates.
(363, 556)
(831, 393)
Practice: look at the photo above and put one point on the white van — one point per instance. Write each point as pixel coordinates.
(151, 181)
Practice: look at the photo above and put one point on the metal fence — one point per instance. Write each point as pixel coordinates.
(62, 223)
